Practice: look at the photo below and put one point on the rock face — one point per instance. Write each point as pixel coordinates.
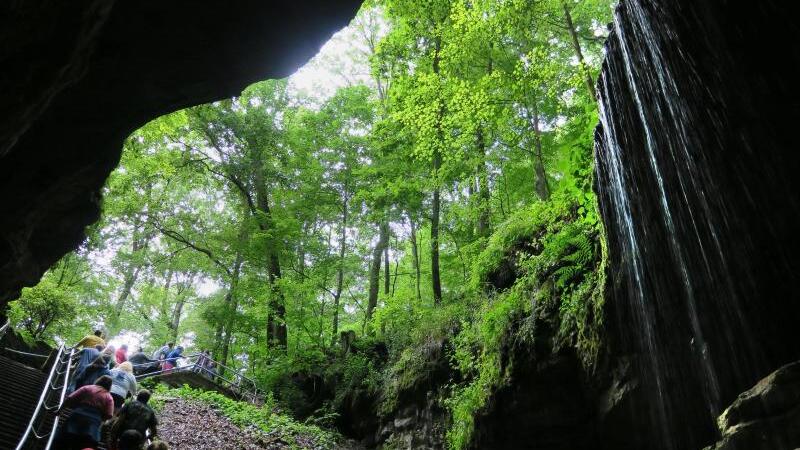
(419, 419)
(696, 176)
(78, 77)
(766, 417)
(551, 401)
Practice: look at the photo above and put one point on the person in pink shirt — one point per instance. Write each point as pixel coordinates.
(91, 405)
(122, 354)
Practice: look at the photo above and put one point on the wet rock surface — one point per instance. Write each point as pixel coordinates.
(78, 77)
(766, 417)
(696, 180)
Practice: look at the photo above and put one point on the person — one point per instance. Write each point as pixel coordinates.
(123, 384)
(134, 415)
(91, 340)
(172, 358)
(200, 364)
(122, 354)
(130, 440)
(158, 445)
(87, 376)
(91, 405)
(108, 352)
(162, 352)
(86, 356)
(211, 368)
(142, 364)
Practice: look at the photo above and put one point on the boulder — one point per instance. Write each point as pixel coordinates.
(766, 417)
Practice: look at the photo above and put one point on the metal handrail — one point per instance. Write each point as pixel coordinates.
(42, 398)
(255, 390)
(60, 400)
(38, 355)
(5, 328)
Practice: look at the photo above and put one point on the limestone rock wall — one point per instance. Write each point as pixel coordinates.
(696, 175)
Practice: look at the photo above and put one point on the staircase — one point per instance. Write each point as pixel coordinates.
(20, 388)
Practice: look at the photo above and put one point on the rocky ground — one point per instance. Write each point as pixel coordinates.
(192, 425)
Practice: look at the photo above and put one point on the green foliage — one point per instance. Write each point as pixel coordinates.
(41, 307)
(56, 306)
(562, 263)
(227, 220)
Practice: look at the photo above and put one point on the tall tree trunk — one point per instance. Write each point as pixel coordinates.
(276, 318)
(396, 269)
(386, 268)
(436, 280)
(484, 210)
(415, 255)
(375, 269)
(340, 272)
(576, 45)
(130, 276)
(175, 321)
(540, 185)
(278, 329)
(232, 304)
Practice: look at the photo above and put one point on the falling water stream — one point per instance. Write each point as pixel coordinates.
(679, 207)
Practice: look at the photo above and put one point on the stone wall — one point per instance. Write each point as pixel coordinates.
(696, 177)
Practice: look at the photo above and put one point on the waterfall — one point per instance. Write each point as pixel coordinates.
(694, 179)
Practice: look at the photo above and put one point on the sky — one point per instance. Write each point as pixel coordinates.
(340, 62)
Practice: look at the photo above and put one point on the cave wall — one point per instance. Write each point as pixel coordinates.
(78, 77)
(696, 168)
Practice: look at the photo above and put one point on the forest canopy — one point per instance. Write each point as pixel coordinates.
(440, 138)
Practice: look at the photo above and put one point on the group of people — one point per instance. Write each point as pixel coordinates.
(103, 381)
(205, 365)
(104, 378)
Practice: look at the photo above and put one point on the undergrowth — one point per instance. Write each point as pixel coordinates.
(559, 265)
(243, 414)
(553, 251)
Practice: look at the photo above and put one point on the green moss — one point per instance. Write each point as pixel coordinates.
(563, 271)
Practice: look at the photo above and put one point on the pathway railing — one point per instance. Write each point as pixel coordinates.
(238, 383)
(50, 400)
(4, 328)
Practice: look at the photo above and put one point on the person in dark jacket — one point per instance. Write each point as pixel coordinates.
(172, 359)
(130, 440)
(91, 405)
(162, 352)
(87, 376)
(134, 415)
(85, 358)
(142, 364)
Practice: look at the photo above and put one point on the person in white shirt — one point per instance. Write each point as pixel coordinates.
(123, 384)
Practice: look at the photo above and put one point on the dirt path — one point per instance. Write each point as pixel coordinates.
(192, 425)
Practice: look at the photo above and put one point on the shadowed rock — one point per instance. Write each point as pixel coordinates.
(77, 77)
(766, 417)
